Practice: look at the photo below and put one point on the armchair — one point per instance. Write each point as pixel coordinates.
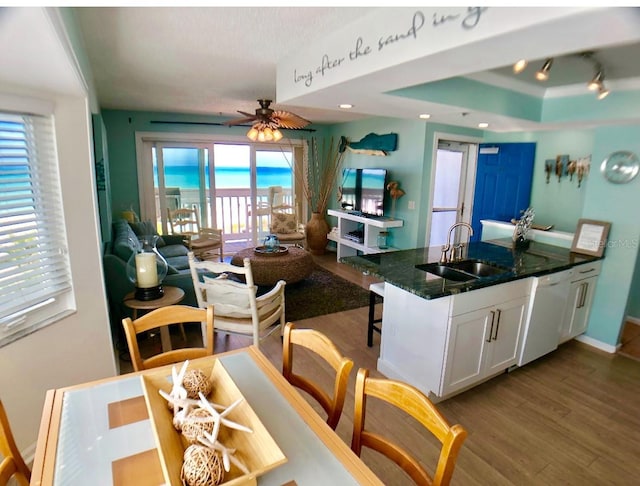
(237, 310)
(201, 241)
(285, 225)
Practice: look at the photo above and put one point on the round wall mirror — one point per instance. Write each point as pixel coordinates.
(620, 166)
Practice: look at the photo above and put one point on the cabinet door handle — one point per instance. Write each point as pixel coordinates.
(493, 317)
(579, 299)
(587, 271)
(584, 293)
(499, 313)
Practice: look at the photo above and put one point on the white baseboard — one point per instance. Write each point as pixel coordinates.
(633, 320)
(598, 344)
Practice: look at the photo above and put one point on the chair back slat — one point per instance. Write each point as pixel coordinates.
(165, 316)
(12, 464)
(416, 404)
(321, 345)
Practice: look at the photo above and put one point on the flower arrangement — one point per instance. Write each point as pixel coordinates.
(396, 193)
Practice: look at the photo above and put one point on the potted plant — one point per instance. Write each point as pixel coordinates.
(316, 183)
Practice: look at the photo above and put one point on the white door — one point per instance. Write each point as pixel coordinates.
(506, 336)
(451, 191)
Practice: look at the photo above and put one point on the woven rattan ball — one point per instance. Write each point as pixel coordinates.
(201, 467)
(192, 430)
(196, 381)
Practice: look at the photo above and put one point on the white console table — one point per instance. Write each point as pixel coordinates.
(372, 227)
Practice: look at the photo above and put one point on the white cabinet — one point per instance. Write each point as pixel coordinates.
(576, 313)
(444, 345)
(482, 343)
(368, 229)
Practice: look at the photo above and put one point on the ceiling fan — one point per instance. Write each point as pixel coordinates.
(266, 122)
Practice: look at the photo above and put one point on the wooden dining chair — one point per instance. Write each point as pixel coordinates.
(165, 316)
(11, 465)
(322, 346)
(416, 404)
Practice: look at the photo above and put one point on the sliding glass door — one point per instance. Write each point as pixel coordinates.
(233, 186)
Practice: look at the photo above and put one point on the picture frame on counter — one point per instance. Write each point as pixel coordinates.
(590, 237)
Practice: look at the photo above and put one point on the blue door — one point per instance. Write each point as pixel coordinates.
(503, 182)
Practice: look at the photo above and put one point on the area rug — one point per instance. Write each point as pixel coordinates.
(322, 293)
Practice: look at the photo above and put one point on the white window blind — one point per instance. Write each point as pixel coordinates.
(35, 277)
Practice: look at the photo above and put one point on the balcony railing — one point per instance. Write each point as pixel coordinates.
(233, 210)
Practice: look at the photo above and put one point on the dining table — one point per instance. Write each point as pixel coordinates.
(100, 432)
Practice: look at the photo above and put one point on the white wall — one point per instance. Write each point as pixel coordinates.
(78, 348)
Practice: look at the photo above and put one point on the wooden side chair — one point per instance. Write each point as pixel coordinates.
(416, 404)
(321, 345)
(165, 316)
(201, 241)
(11, 465)
(232, 292)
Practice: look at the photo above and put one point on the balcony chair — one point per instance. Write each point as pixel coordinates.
(201, 241)
(165, 316)
(417, 405)
(284, 224)
(232, 292)
(12, 466)
(322, 346)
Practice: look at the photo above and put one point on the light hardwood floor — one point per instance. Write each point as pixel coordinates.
(571, 417)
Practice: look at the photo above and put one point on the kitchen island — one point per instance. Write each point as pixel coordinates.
(445, 336)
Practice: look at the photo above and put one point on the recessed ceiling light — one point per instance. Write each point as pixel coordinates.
(345, 106)
(425, 116)
(483, 125)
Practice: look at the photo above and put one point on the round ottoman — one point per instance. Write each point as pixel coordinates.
(294, 265)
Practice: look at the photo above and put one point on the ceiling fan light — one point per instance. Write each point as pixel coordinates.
(519, 66)
(277, 135)
(268, 134)
(261, 136)
(543, 73)
(252, 134)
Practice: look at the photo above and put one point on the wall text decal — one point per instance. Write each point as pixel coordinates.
(362, 48)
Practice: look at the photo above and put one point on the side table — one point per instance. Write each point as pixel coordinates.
(172, 295)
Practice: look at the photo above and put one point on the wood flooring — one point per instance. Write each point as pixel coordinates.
(571, 417)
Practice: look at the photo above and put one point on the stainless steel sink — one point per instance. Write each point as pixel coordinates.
(462, 271)
(446, 272)
(477, 268)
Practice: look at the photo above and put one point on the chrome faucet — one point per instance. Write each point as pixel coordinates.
(454, 255)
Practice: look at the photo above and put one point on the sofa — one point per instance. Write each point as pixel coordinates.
(116, 255)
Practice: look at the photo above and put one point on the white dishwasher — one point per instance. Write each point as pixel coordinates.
(547, 302)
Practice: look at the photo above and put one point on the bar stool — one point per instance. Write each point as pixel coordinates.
(375, 289)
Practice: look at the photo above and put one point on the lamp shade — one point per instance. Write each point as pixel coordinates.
(252, 134)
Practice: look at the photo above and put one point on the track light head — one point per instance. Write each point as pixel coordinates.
(519, 66)
(596, 82)
(602, 92)
(543, 73)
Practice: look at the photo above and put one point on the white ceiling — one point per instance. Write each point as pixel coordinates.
(216, 60)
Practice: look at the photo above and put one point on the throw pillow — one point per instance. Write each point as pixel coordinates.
(146, 228)
(283, 223)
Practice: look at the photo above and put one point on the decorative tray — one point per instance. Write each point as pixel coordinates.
(258, 451)
(267, 251)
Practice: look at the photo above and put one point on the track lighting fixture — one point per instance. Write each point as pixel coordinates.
(543, 73)
(595, 84)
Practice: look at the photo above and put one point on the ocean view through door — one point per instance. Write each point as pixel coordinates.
(227, 183)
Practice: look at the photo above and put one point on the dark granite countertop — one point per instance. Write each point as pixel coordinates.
(399, 267)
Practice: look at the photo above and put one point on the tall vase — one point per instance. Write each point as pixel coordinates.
(317, 230)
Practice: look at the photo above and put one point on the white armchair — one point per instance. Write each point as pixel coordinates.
(237, 310)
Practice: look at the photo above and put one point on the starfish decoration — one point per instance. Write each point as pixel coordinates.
(228, 456)
(220, 418)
